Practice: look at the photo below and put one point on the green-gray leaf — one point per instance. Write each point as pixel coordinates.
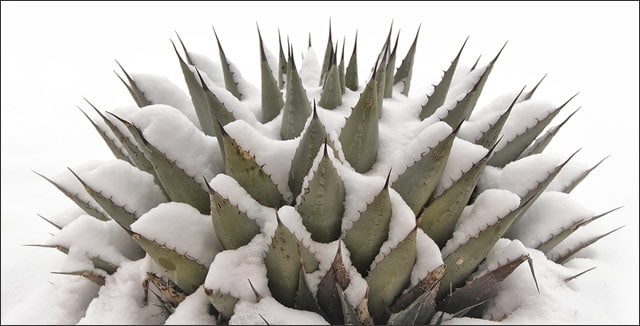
(369, 231)
(359, 136)
(390, 276)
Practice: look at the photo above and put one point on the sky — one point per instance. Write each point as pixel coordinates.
(54, 54)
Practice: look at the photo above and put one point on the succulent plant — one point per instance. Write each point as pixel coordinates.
(315, 193)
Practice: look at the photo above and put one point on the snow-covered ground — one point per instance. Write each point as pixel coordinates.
(55, 53)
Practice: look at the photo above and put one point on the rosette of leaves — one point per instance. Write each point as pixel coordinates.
(351, 201)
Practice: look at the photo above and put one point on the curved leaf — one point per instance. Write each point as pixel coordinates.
(271, 96)
(439, 94)
(179, 185)
(351, 75)
(185, 272)
(418, 182)
(405, 71)
(297, 108)
(306, 152)
(369, 231)
(359, 136)
(439, 218)
(233, 227)
(229, 82)
(322, 203)
(242, 166)
(514, 147)
(390, 276)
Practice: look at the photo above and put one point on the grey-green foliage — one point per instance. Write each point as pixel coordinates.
(321, 200)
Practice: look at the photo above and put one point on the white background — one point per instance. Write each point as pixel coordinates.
(53, 54)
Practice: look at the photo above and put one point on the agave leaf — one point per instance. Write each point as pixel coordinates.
(184, 49)
(439, 218)
(475, 64)
(536, 191)
(297, 108)
(369, 231)
(97, 262)
(138, 158)
(563, 233)
(513, 148)
(184, 271)
(223, 302)
(479, 289)
(272, 101)
(242, 166)
(388, 75)
(322, 203)
(349, 313)
(405, 71)
(417, 311)
(417, 305)
(117, 151)
(579, 274)
(138, 95)
(359, 136)
(542, 141)
(334, 281)
(57, 226)
(418, 182)
(331, 96)
(118, 213)
(480, 85)
(283, 265)
(306, 152)
(233, 227)
(464, 107)
(89, 275)
(439, 95)
(328, 54)
(341, 69)
(86, 206)
(218, 112)
(229, 82)
(563, 257)
(351, 75)
(197, 97)
(380, 78)
(304, 297)
(529, 94)
(390, 276)
(581, 177)
(282, 64)
(464, 260)
(489, 137)
(179, 185)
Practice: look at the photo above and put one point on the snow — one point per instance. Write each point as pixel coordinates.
(168, 130)
(504, 252)
(247, 313)
(192, 236)
(40, 130)
(524, 116)
(491, 206)
(95, 238)
(120, 300)
(125, 185)
(160, 90)
(519, 176)
(273, 156)
(552, 213)
(461, 159)
(194, 310)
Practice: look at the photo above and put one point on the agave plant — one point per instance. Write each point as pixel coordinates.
(318, 196)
